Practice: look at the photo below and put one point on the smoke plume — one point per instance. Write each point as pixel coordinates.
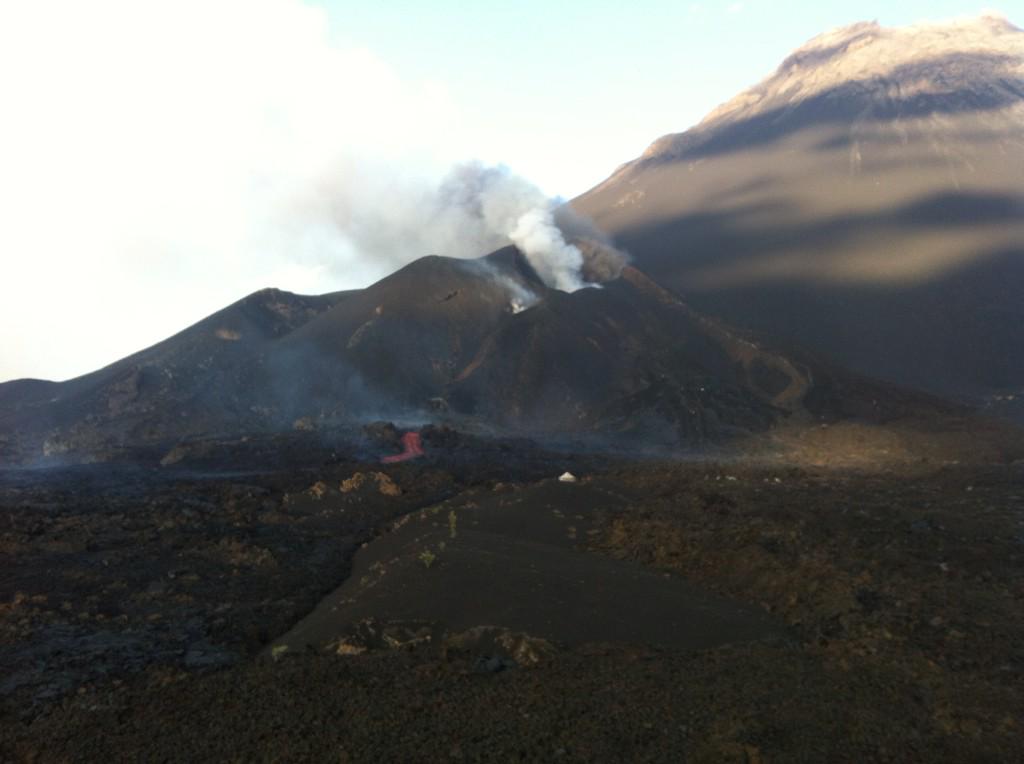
(273, 154)
(472, 211)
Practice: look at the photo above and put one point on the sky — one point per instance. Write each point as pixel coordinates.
(160, 160)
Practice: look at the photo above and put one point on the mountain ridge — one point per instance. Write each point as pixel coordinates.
(865, 200)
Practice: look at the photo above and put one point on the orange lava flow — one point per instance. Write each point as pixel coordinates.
(412, 446)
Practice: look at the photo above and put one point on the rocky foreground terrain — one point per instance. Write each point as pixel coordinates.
(146, 609)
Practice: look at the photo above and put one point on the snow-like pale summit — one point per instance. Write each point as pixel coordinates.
(886, 64)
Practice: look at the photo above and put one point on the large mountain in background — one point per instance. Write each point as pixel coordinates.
(866, 200)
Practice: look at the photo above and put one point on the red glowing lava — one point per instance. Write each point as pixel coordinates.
(412, 447)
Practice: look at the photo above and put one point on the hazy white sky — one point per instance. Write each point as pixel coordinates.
(159, 160)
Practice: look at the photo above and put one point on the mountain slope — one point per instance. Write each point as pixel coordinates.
(479, 342)
(866, 201)
(182, 385)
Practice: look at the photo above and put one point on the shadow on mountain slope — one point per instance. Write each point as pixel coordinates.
(925, 329)
(865, 200)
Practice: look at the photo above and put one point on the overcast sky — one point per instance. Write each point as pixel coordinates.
(159, 160)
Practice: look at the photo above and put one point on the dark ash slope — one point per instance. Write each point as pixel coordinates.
(480, 343)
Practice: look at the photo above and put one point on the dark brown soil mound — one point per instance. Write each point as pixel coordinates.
(512, 559)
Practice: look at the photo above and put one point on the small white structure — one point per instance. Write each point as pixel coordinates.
(566, 477)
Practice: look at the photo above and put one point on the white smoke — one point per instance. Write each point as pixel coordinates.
(493, 207)
(556, 262)
(162, 160)
(473, 210)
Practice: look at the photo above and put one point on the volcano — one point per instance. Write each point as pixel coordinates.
(866, 200)
(479, 343)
